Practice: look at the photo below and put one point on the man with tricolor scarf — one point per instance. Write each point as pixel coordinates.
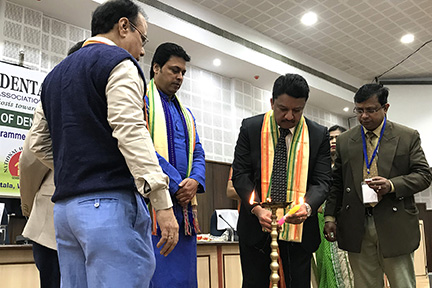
(181, 156)
(308, 176)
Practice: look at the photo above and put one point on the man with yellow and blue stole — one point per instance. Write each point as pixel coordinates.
(181, 156)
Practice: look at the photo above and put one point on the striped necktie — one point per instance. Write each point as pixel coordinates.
(279, 173)
(370, 147)
(373, 169)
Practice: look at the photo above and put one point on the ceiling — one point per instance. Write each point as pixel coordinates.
(358, 37)
(361, 38)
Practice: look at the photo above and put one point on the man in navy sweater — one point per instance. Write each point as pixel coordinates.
(94, 135)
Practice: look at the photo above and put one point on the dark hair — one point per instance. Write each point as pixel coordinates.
(368, 90)
(76, 47)
(293, 85)
(335, 128)
(107, 15)
(164, 52)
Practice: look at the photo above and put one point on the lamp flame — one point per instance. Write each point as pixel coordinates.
(251, 201)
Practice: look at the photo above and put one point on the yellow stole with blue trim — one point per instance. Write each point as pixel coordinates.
(156, 124)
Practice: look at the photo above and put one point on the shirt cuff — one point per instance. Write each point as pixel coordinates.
(308, 209)
(392, 186)
(253, 208)
(156, 189)
(329, 219)
(160, 200)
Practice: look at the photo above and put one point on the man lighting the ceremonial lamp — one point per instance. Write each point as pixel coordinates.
(283, 156)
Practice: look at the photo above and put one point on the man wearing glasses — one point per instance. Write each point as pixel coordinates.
(144, 39)
(104, 157)
(370, 210)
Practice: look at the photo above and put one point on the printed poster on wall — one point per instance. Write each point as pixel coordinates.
(19, 96)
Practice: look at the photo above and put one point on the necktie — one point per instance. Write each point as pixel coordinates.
(370, 147)
(279, 174)
(373, 169)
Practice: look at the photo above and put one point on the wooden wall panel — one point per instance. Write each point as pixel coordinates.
(215, 196)
(426, 216)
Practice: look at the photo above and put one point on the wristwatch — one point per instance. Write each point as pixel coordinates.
(308, 209)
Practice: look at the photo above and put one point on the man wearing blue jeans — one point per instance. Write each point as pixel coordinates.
(94, 135)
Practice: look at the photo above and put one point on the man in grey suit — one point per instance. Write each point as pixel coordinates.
(382, 160)
(37, 188)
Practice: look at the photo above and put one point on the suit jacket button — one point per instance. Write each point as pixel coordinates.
(348, 189)
(347, 207)
(395, 209)
(400, 198)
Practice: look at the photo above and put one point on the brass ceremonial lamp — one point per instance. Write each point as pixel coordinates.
(274, 255)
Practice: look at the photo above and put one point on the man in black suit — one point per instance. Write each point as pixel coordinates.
(290, 93)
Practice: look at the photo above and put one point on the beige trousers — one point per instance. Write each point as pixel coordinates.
(369, 266)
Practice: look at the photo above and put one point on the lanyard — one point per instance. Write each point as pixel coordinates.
(369, 163)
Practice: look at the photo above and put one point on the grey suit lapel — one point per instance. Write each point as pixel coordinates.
(387, 150)
(355, 148)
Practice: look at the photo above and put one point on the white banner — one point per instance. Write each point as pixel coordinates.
(19, 96)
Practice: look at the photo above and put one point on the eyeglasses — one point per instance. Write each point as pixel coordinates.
(144, 38)
(360, 111)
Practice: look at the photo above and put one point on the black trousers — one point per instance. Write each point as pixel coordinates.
(255, 262)
(46, 260)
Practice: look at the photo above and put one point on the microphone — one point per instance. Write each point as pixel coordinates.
(231, 230)
(220, 216)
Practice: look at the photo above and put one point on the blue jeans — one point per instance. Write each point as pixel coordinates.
(104, 240)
